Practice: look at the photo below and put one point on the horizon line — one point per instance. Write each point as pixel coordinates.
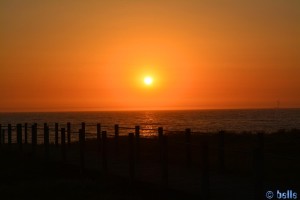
(142, 110)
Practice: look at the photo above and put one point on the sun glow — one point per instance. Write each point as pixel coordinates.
(148, 80)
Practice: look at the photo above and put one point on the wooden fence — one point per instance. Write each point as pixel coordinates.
(46, 138)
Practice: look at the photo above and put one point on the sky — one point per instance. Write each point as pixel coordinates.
(71, 55)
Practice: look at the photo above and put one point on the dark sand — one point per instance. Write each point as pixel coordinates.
(24, 177)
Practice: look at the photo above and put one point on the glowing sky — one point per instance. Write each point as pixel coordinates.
(63, 55)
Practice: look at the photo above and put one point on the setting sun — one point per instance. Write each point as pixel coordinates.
(148, 80)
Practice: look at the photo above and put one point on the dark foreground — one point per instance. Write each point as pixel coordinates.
(25, 179)
(25, 176)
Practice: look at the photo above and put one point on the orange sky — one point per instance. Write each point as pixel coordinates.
(93, 55)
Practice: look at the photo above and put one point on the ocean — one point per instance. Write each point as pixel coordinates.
(268, 120)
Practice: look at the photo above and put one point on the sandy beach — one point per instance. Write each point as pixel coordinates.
(23, 174)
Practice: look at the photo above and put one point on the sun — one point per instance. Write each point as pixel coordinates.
(148, 80)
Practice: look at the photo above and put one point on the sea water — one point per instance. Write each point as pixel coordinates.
(268, 120)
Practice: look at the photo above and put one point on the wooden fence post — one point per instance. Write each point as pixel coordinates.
(46, 140)
(165, 173)
(99, 143)
(188, 146)
(160, 133)
(221, 151)
(19, 136)
(1, 134)
(117, 139)
(82, 147)
(81, 151)
(79, 135)
(258, 162)
(137, 143)
(205, 184)
(131, 158)
(104, 152)
(258, 173)
(9, 134)
(56, 134)
(160, 142)
(69, 133)
(25, 133)
(83, 129)
(63, 144)
(260, 140)
(98, 133)
(34, 138)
